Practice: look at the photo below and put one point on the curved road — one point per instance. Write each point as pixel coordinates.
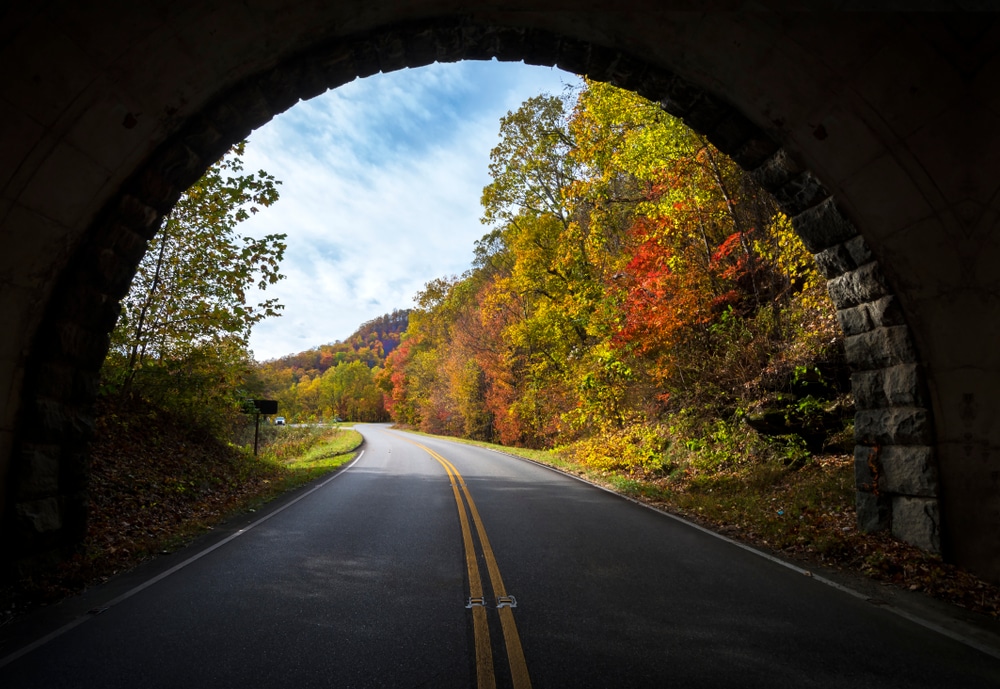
(428, 563)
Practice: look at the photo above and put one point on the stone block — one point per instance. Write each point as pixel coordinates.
(835, 261)
(873, 511)
(896, 386)
(880, 348)
(800, 193)
(858, 248)
(251, 108)
(884, 312)
(776, 172)
(543, 50)
(95, 309)
(855, 320)
(896, 426)
(391, 50)
(203, 137)
(39, 472)
(908, 470)
(859, 286)
(142, 218)
(917, 521)
(823, 226)
(39, 516)
(843, 258)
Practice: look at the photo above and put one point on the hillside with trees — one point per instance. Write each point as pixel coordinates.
(637, 299)
(338, 380)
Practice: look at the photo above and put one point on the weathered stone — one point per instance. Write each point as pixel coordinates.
(835, 261)
(202, 136)
(391, 50)
(873, 511)
(908, 470)
(39, 472)
(884, 312)
(800, 193)
(141, 217)
(855, 320)
(880, 348)
(823, 226)
(917, 521)
(903, 386)
(96, 309)
(113, 272)
(155, 191)
(857, 247)
(843, 258)
(776, 172)
(896, 386)
(39, 516)
(859, 286)
(896, 426)
(179, 165)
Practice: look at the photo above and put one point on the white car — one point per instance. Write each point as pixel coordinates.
(279, 421)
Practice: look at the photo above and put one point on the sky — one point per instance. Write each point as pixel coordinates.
(381, 181)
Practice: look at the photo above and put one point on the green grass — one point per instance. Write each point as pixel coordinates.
(303, 454)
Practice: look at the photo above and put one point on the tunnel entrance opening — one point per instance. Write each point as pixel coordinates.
(46, 473)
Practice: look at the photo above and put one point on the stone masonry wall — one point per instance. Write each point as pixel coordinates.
(47, 499)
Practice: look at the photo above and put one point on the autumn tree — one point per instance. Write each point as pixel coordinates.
(630, 269)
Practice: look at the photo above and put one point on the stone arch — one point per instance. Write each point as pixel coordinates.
(46, 482)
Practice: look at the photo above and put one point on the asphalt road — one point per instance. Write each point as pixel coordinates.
(434, 564)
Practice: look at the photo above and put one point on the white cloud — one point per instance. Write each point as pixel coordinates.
(381, 181)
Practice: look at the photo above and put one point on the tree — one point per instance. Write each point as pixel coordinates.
(190, 294)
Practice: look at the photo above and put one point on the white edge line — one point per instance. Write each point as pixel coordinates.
(927, 624)
(163, 575)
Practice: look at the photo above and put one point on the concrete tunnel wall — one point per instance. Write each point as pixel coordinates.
(877, 133)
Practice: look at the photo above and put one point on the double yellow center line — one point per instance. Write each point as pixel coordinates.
(477, 601)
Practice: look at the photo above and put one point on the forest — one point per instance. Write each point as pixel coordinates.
(638, 302)
(335, 381)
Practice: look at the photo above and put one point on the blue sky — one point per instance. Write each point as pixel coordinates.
(381, 180)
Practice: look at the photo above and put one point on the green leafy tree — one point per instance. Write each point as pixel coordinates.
(190, 294)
